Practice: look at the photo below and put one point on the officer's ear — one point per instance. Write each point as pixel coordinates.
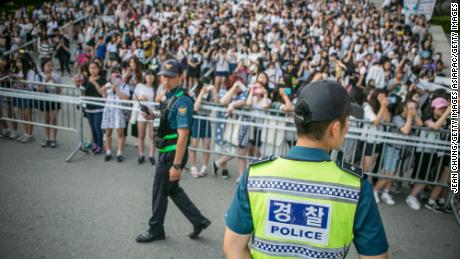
(335, 129)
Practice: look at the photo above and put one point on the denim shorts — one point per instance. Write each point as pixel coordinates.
(222, 73)
(390, 158)
(23, 103)
(201, 129)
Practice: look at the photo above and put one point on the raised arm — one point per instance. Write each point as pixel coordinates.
(436, 125)
(227, 98)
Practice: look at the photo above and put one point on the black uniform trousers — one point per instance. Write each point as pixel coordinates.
(162, 188)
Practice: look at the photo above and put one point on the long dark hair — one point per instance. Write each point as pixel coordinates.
(26, 66)
(373, 100)
(138, 71)
(98, 66)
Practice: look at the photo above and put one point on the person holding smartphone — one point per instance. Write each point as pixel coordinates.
(49, 109)
(93, 87)
(259, 100)
(113, 118)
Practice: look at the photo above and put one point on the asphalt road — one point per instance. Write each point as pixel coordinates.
(94, 209)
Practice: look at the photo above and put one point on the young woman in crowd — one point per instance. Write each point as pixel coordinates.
(112, 50)
(114, 118)
(375, 113)
(145, 92)
(201, 129)
(49, 109)
(93, 87)
(193, 66)
(233, 98)
(24, 69)
(136, 68)
(406, 118)
(222, 68)
(258, 99)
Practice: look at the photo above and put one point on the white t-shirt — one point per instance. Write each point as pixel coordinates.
(258, 112)
(55, 79)
(112, 47)
(254, 57)
(143, 90)
(370, 130)
(30, 77)
(222, 64)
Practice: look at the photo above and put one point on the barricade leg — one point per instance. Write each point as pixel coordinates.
(81, 141)
(452, 198)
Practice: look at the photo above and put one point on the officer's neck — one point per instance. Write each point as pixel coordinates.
(172, 89)
(308, 143)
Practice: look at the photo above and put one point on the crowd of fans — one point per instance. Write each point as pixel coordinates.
(260, 54)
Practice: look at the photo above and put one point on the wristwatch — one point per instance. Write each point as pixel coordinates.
(177, 166)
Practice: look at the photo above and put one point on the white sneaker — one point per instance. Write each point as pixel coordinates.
(376, 197)
(194, 172)
(387, 199)
(13, 134)
(21, 138)
(413, 203)
(6, 132)
(202, 172)
(28, 138)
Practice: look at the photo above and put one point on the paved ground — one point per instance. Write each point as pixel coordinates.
(92, 209)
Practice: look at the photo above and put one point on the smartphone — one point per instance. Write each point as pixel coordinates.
(288, 91)
(392, 99)
(108, 87)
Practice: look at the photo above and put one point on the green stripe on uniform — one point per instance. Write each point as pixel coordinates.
(170, 136)
(168, 149)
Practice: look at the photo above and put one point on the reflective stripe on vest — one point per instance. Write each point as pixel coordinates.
(170, 136)
(168, 148)
(275, 249)
(302, 209)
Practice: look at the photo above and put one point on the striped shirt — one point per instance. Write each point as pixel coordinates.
(45, 49)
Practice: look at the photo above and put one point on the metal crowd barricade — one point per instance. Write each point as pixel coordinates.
(268, 131)
(15, 102)
(423, 156)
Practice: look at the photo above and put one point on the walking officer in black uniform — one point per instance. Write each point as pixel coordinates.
(172, 140)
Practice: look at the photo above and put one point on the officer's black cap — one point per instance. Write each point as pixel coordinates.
(323, 101)
(171, 68)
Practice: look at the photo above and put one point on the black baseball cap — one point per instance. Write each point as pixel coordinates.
(324, 100)
(171, 68)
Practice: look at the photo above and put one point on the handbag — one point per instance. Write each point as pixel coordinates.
(133, 118)
(271, 134)
(231, 133)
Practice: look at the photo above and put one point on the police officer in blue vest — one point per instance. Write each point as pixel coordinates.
(172, 141)
(304, 205)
